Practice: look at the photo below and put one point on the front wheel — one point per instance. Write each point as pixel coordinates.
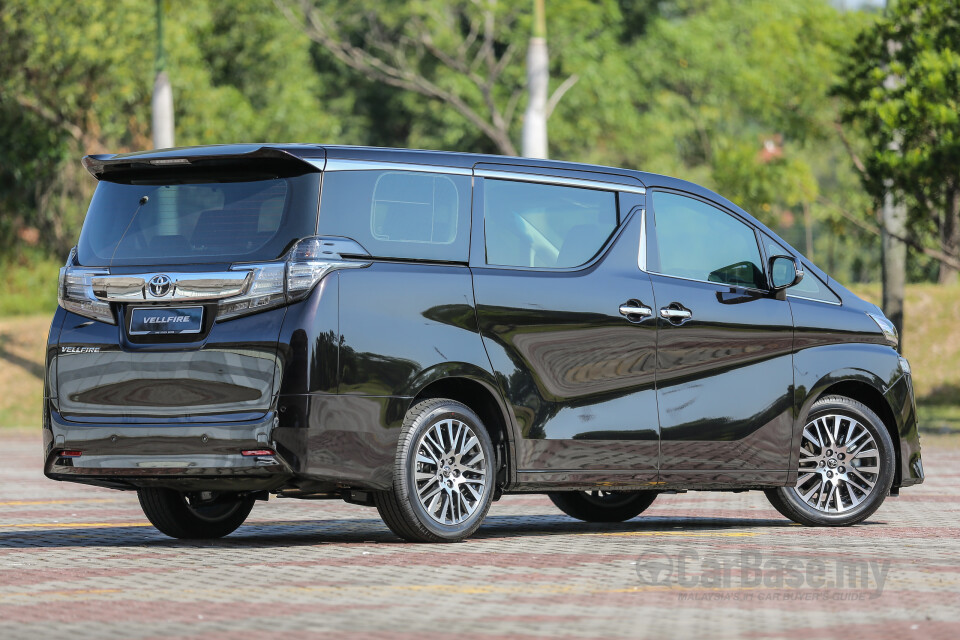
(845, 469)
(203, 514)
(443, 479)
(603, 506)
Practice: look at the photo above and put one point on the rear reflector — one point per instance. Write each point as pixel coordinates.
(71, 454)
(257, 452)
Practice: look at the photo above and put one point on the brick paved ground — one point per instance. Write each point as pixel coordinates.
(81, 562)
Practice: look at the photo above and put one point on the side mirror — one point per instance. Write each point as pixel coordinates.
(785, 271)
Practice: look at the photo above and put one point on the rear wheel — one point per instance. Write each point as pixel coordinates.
(443, 475)
(846, 466)
(603, 506)
(202, 514)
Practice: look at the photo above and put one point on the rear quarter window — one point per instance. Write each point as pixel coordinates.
(399, 214)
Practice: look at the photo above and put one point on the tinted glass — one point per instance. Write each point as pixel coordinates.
(399, 214)
(701, 242)
(811, 286)
(548, 226)
(183, 222)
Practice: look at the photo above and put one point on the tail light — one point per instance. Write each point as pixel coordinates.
(278, 283)
(76, 292)
(272, 284)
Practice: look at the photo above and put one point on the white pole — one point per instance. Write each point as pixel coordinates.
(162, 112)
(538, 80)
(162, 94)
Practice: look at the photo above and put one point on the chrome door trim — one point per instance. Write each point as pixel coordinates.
(558, 180)
(183, 286)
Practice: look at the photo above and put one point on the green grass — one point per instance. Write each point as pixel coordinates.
(29, 284)
(22, 345)
(939, 418)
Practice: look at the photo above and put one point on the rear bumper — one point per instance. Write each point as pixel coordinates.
(180, 456)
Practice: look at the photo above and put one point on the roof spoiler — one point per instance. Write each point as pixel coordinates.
(105, 166)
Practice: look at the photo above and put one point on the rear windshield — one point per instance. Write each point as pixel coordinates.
(190, 222)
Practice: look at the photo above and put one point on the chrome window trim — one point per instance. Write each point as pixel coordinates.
(338, 164)
(558, 180)
(716, 284)
(836, 304)
(642, 253)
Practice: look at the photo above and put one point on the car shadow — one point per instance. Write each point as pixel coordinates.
(291, 533)
(33, 368)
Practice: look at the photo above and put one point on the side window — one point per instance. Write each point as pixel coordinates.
(701, 242)
(811, 286)
(541, 225)
(399, 214)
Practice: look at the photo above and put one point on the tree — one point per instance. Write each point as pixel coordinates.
(75, 78)
(462, 54)
(912, 124)
(735, 96)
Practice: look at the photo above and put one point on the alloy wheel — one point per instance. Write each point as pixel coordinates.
(839, 464)
(450, 474)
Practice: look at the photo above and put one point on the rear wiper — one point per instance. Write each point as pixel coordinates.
(143, 200)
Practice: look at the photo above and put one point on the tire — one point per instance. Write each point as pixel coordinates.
(603, 506)
(432, 498)
(844, 480)
(173, 514)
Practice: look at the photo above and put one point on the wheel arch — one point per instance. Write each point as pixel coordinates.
(865, 388)
(483, 397)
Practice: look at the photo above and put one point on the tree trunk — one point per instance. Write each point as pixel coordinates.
(538, 80)
(894, 260)
(950, 236)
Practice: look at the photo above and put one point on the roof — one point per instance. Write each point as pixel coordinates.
(99, 165)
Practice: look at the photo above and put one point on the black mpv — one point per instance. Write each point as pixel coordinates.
(424, 331)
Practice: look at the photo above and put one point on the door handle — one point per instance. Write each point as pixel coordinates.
(673, 313)
(635, 308)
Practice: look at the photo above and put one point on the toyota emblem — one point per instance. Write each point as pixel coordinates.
(159, 286)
